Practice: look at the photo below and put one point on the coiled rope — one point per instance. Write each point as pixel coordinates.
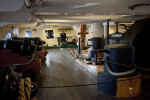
(24, 89)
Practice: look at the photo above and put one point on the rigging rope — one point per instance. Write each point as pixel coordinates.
(67, 86)
(30, 61)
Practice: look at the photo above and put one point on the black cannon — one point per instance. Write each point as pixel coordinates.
(23, 47)
(35, 40)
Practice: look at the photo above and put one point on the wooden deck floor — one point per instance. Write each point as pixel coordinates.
(60, 69)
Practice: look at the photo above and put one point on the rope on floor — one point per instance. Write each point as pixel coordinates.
(146, 76)
(75, 54)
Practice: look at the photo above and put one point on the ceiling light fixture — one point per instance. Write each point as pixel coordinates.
(86, 5)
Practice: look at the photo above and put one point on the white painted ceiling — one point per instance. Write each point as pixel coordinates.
(71, 11)
(102, 6)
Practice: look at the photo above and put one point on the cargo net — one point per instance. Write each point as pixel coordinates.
(75, 54)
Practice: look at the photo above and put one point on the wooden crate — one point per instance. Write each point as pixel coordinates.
(129, 88)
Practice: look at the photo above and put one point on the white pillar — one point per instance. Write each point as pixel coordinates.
(98, 30)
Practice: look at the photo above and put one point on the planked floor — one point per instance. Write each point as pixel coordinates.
(60, 69)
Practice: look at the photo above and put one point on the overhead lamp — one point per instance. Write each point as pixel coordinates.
(86, 5)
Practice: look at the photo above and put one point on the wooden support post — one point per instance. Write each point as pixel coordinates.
(83, 36)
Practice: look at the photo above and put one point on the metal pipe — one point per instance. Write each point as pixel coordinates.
(116, 27)
(108, 31)
(79, 46)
